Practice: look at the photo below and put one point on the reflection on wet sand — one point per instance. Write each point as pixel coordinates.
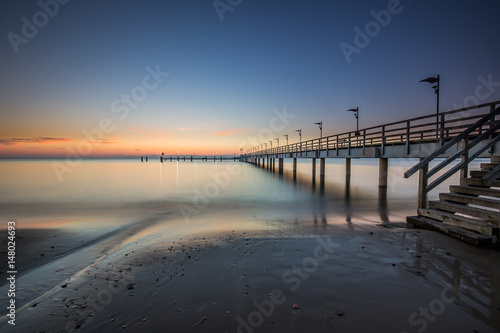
(475, 286)
(382, 204)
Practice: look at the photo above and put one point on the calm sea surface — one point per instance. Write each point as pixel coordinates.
(101, 194)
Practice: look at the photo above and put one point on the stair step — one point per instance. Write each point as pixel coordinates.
(458, 221)
(478, 173)
(469, 237)
(478, 182)
(471, 190)
(495, 159)
(489, 166)
(467, 199)
(467, 210)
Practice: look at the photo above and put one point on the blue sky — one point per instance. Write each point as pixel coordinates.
(225, 77)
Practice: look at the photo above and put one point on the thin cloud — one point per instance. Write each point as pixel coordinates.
(223, 133)
(104, 141)
(231, 131)
(38, 140)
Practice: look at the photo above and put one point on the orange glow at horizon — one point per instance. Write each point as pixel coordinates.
(62, 147)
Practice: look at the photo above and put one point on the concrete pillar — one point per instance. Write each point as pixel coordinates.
(348, 168)
(313, 168)
(294, 166)
(274, 164)
(382, 171)
(280, 166)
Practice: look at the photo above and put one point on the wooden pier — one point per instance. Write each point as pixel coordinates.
(464, 135)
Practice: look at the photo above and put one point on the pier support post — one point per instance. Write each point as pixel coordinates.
(280, 165)
(274, 164)
(313, 168)
(422, 186)
(382, 171)
(348, 168)
(322, 169)
(295, 166)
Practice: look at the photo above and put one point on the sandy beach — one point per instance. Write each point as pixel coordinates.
(362, 278)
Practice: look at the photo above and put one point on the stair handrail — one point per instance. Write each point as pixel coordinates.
(423, 165)
(494, 112)
(462, 164)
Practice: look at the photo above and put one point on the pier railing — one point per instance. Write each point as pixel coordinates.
(430, 128)
(482, 133)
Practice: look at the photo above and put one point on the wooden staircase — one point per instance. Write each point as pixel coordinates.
(470, 212)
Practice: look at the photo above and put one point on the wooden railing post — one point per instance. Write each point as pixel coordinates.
(465, 159)
(407, 137)
(349, 145)
(337, 146)
(364, 139)
(422, 186)
(383, 140)
(492, 123)
(441, 136)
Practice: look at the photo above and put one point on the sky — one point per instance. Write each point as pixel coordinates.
(132, 78)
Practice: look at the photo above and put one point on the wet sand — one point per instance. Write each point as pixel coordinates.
(161, 277)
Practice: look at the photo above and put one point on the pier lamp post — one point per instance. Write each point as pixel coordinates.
(278, 141)
(356, 114)
(286, 136)
(320, 124)
(300, 134)
(271, 143)
(300, 139)
(435, 80)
